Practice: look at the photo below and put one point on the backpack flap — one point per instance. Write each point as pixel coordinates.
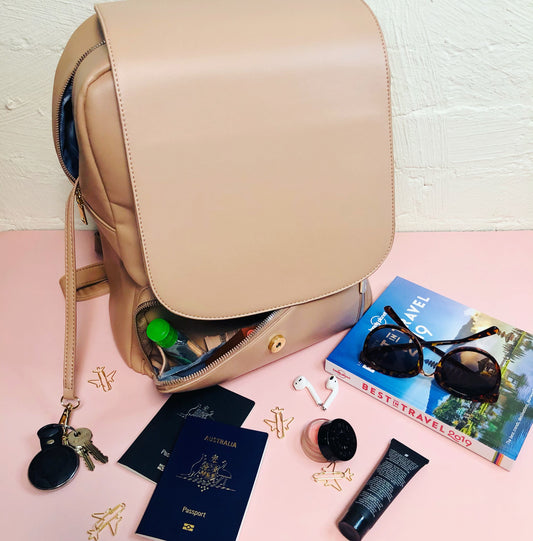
(259, 148)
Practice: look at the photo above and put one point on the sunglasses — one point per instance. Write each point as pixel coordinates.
(465, 372)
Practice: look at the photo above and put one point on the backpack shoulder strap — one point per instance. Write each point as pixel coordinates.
(77, 285)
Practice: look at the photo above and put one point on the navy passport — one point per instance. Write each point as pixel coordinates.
(205, 488)
(149, 453)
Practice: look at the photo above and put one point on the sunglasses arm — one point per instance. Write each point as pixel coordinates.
(432, 345)
(482, 334)
(395, 317)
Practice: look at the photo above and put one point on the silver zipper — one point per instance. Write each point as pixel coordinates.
(211, 366)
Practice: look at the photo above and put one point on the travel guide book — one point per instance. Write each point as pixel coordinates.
(494, 431)
(204, 490)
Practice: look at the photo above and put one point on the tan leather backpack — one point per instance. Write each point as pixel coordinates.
(236, 158)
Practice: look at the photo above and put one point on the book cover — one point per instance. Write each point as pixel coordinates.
(149, 453)
(205, 488)
(494, 431)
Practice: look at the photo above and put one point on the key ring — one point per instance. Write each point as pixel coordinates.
(73, 403)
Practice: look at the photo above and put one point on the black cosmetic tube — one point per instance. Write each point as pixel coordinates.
(395, 470)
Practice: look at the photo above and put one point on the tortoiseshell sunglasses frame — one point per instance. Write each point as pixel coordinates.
(420, 343)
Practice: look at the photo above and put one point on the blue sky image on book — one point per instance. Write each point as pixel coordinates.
(502, 426)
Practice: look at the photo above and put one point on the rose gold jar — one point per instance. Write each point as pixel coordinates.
(329, 441)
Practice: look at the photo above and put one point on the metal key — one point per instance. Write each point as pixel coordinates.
(78, 446)
(81, 441)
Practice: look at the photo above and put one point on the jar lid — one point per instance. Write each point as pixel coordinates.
(337, 440)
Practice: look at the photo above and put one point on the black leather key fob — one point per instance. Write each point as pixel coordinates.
(55, 464)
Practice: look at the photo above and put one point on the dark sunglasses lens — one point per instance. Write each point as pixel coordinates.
(470, 373)
(392, 352)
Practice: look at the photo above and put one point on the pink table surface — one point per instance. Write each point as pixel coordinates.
(458, 495)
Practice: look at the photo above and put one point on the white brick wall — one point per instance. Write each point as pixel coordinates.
(462, 95)
(462, 90)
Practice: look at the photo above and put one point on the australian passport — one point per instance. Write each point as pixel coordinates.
(206, 485)
(149, 453)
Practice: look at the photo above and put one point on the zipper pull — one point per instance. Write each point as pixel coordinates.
(81, 206)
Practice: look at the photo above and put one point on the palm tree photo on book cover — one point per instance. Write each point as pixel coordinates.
(498, 425)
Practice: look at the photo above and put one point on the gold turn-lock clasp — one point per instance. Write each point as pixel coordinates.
(277, 343)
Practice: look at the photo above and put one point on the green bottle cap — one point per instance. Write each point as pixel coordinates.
(162, 333)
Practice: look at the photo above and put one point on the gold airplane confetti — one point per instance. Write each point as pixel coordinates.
(279, 424)
(103, 380)
(331, 478)
(110, 518)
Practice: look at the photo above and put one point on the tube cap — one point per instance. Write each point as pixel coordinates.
(337, 440)
(162, 333)
(356, 523)
(349, 530)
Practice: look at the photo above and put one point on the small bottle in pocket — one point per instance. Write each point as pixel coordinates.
(176, 345)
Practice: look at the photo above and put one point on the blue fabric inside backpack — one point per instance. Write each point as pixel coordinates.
(68, 143)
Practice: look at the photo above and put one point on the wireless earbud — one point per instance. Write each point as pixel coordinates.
(301, 383)
(333, 385)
